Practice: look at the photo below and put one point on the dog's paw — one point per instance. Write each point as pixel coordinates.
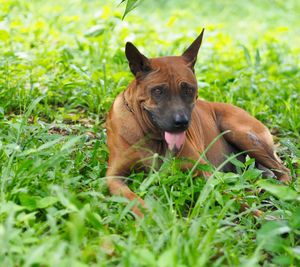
(285, 178)
(139, 208)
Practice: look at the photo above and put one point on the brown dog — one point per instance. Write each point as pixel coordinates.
(159, 111)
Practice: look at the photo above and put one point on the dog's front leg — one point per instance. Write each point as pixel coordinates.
(117, 169)
(118, 187)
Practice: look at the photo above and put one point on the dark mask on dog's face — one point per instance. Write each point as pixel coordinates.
(167, 89)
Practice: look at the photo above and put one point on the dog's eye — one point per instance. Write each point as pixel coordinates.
(188, 90)
(157, 91)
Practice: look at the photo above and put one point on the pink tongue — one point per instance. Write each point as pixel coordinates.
(175, 140)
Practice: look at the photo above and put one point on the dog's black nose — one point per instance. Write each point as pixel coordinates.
(181, 120)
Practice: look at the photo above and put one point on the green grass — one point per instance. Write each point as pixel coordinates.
(61, 65)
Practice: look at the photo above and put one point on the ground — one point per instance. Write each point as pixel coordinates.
(61, 65)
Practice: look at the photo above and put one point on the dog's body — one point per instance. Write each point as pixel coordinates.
(159, 111)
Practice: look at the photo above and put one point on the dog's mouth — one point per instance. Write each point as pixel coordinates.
(175, 138)
(175, 141)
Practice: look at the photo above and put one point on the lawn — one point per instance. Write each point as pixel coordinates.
(61, 65)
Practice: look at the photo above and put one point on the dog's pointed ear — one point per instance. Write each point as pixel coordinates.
(138, 63)
(190, 55)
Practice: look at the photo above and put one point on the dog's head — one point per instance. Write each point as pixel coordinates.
(166, 89)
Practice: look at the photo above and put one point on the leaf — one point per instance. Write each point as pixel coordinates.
(36, 202)
(29, 202)
(166, 258)
(46, 202)
(42, 147)
(26, 218)
(204, 167)
(130, 5)
(25, 117)
(128, 208)
(237, 163)
(269, 236)
(295, 218)
(247, 55)
(283, 260)
(280, 191)
(257, 58)
(291, 147)
(95, 31)
(146, 256)
(219, 198)
(94, 219)
(249, 161)
(252, 174)
(70, 143)
(296, 252)
(271, 229)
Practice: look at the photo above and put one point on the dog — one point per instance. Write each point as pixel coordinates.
(160, 112)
